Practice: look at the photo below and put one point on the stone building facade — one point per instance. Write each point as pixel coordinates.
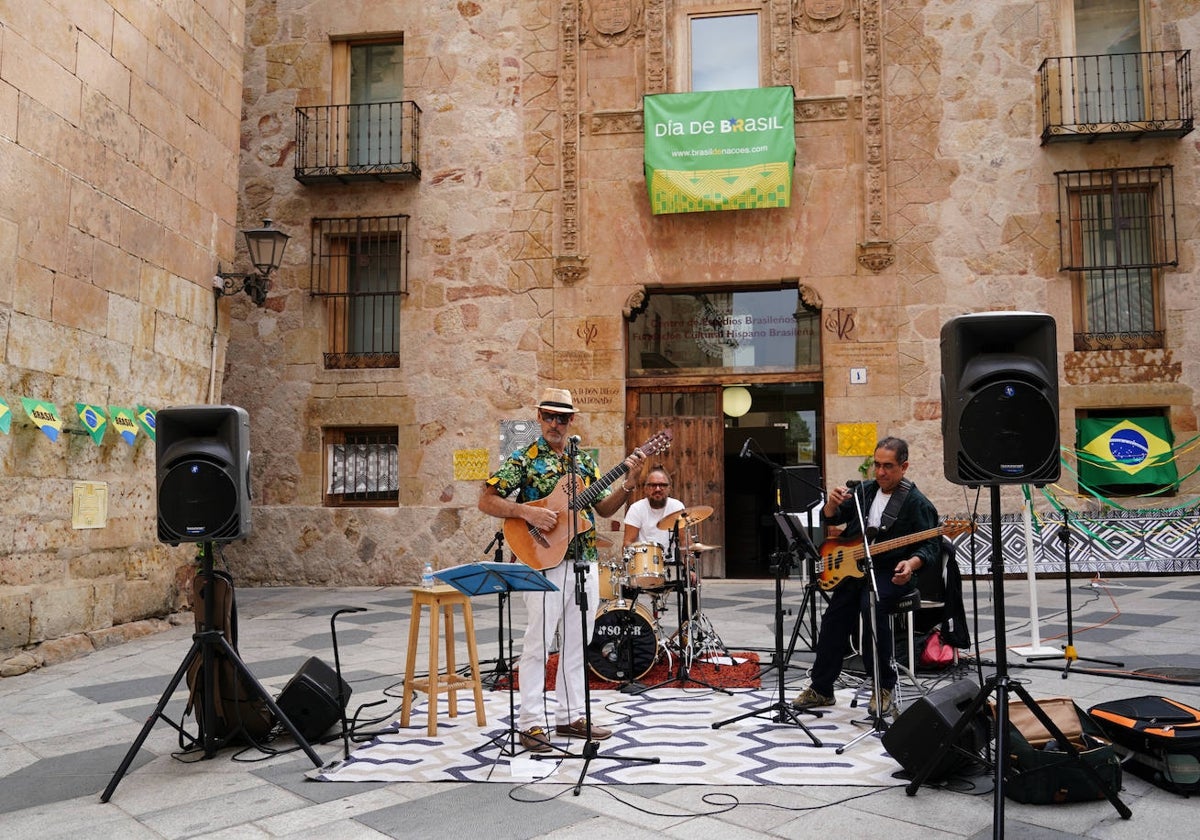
(118, 196)
(921, 191)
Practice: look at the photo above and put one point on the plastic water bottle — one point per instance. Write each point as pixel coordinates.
(427, 575)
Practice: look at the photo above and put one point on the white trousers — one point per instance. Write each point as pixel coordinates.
(544, 610)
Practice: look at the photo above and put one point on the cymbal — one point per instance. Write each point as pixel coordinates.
(701, 547)
(685, 517)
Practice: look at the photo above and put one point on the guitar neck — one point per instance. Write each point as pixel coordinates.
(592, 492)
(898, 542)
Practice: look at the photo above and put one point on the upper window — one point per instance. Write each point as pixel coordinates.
(724, 51)
(1117, 233)
(360, 267)
(376, 90)
(361, 466)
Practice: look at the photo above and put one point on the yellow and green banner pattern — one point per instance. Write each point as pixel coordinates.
(1135, 450)
(719, 150)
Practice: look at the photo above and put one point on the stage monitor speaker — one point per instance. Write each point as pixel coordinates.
(799, 487)
(202, 466)
(927, 721)
(310, 699)
(1000, 399)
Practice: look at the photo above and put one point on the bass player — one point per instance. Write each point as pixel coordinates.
(893, 508)
(533, 473)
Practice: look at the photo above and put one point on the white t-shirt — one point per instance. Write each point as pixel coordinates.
(645, 518)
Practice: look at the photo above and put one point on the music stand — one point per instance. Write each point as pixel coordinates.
(781, 711)
(485, 578)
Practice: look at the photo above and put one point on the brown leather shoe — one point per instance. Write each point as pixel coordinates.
(579, 729)
(535, 740)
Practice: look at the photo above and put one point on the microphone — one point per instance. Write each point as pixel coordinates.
(853, 485)
(745, 448)
(574, 440)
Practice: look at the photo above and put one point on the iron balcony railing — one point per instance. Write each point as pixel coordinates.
(1123, 96)
(380, 141)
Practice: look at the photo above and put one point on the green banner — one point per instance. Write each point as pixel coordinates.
(1130, 451)
(719, 150)
(5, 416)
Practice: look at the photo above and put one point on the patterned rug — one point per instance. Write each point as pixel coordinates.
(673, 725)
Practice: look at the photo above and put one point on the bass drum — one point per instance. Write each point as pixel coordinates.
(624, 644)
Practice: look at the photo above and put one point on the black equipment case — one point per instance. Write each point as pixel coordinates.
(1160, 738)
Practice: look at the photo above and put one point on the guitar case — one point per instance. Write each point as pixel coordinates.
(1159, 737)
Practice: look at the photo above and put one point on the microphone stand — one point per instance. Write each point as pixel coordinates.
(878, 724)
(591, 747)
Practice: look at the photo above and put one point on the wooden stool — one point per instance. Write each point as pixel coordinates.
(441, 598)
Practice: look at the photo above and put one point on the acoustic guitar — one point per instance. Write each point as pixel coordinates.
(546, 549)
(840, 558)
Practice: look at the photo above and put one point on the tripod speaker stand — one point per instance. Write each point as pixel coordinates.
(1002, 685)
(206, 644)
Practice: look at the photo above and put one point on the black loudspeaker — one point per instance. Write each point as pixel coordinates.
(915, 734)
(799, 488)
(202, 461)
(1000, 399)
(310, 699)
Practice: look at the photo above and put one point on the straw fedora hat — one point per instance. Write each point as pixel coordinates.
(557, 399)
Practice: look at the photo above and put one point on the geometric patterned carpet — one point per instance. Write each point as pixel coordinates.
(674, 725)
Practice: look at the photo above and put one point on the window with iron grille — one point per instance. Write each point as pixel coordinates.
(361, 466)
(1117, 234)
(360, 267)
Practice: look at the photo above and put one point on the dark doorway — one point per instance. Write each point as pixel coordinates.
(783, 426)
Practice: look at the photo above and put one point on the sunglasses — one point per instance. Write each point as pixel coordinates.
(559, 419)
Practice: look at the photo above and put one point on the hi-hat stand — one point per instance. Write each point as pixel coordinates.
(206, 644)
(1001, 684)
(591, 747)
(1069, 654)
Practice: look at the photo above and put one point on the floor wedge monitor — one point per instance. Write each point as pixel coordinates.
(926, 722)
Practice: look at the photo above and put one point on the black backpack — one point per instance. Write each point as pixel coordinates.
(238, 712)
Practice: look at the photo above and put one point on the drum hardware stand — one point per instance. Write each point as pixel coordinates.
(1002, 685)
(205, 644)
(337, 668)
(783, 711)
(1069, 654)
(591, 748)
(698, 627)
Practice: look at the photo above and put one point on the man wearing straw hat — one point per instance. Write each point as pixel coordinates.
(533, 473)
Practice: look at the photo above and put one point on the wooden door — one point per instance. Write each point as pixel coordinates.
(695, 459)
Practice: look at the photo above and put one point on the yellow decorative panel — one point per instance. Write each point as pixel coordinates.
(856, 439)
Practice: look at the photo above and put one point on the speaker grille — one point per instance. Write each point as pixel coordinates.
(197, 500)
(1008, 431)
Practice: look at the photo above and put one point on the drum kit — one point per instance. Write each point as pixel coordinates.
(629, 637)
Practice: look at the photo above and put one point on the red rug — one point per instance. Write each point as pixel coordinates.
(743, 674)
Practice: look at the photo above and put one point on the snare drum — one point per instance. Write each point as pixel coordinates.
(644, 566)
(624, 643)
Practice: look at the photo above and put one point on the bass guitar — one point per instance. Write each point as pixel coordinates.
(840, 558)
(546, 549)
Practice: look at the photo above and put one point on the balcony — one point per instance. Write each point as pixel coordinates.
(380, 141)
(1126, 96)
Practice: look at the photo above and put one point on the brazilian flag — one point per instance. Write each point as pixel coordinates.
(93, 419)
(1137, 450)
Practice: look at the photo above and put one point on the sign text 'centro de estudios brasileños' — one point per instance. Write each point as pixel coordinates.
(719, 150)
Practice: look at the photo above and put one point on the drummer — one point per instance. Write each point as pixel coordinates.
(643, 516)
